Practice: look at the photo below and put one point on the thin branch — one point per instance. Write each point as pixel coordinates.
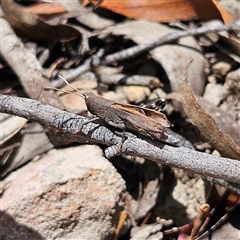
(170, 37)
(98, 131)
(131, 52)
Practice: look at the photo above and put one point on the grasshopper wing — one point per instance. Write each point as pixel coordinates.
(138, 122)
(151, 114)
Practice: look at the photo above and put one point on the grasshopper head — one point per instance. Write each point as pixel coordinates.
(97, 105)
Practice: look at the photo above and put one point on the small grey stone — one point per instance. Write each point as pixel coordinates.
(214, 93)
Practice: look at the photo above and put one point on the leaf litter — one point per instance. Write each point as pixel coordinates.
(165, 64)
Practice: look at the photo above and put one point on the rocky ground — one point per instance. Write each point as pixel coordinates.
(60, 190)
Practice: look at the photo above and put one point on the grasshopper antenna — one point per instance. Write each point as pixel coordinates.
(81, 95)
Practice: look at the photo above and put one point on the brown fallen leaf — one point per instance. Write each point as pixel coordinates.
(27, 24)
(165, 10)
(225, 122)
(226, 17)
(46, 10)
(206, 124)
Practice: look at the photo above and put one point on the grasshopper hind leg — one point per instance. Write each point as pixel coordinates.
(116, 149)
(84, 123)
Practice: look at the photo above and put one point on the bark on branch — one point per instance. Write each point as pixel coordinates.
(98, 131)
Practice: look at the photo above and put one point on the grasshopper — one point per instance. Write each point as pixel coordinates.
(146, 121)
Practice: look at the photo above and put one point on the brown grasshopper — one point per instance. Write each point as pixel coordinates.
(125, 116)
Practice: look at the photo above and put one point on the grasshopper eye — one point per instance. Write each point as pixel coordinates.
(157, 105)
(160, 104)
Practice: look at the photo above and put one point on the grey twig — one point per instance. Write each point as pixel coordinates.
(136, 50)
(98, 131)
(173, 36)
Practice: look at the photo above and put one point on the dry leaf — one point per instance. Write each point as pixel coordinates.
(225, 122)
(27, 24)
(165, 10)
(148, 200)
(10, 126)
(31, 145)
(46, 9)
(226, 17)
(206, 124)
